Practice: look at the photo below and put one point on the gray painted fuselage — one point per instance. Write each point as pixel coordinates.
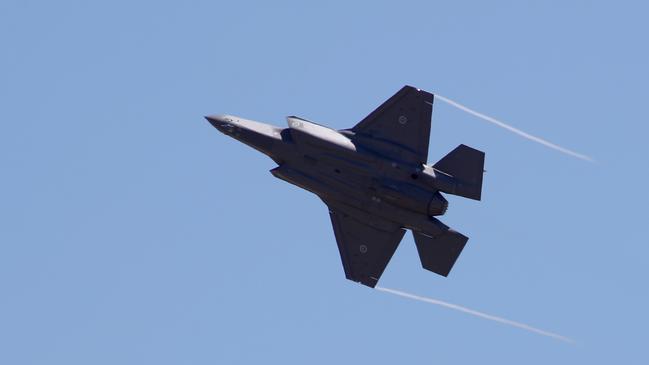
(327, 163)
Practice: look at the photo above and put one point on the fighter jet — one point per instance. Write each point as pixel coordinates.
(374, 179)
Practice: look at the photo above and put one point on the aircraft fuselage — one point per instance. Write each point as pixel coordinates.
(329, 164)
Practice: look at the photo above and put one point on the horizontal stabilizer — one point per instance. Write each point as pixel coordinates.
(466, 166)
(439, 253)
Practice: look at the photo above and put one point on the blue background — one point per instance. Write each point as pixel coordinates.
(132, 232)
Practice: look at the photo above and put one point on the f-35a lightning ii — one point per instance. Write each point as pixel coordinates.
(374, 179)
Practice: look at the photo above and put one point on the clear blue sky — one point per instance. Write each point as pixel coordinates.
(132, 232)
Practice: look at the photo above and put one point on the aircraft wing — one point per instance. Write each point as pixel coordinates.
(364, 248)
(402, 124)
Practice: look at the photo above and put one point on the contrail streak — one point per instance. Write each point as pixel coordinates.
(476, 313)
(515, 130)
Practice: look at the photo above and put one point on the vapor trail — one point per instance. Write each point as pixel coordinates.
(515, 130)
(476, 313)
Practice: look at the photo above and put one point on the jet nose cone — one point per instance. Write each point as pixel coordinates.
(221, 122)
(215, 120)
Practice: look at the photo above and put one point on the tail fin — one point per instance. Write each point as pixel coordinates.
(439, 253)
(466, 166)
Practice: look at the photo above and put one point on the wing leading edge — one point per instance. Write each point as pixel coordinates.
(402, 124)
(365, 250)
